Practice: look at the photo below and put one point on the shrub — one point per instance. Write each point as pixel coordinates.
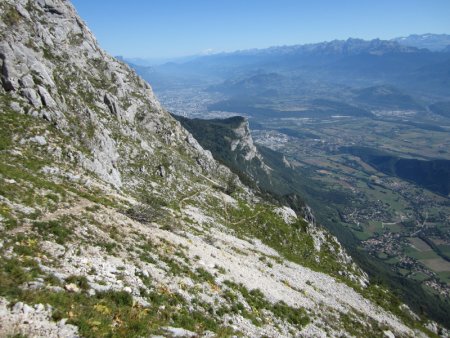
(231, 186)
(145, 213)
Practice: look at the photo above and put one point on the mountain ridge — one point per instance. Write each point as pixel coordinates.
(353, 62)
(433, 42)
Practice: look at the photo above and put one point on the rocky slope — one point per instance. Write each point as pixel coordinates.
(115, 221)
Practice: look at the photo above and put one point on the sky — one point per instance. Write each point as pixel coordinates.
(174, 28)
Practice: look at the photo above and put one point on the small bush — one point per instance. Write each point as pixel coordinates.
(108, 246)
(24, 250)
(145, 213)
(231, 186)
(204, 275)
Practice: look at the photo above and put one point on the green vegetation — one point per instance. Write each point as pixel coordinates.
(146, 213)
(11, 16)
(49, 54)
(109, 313)
(150, 208)
(216, 136)
(58, 230)
(14, 272)
(76, 39)
(290, 240)
(258, 303)
(80, 281)
(358, 328)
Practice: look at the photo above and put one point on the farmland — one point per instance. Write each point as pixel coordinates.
(388, 214)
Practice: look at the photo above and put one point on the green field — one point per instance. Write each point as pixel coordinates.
(437, 264)
(419, 244)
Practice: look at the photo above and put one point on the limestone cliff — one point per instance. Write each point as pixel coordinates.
(244, 142)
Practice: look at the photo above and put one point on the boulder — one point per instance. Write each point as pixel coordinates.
(109, 101)
(46, 98)
(32, 97)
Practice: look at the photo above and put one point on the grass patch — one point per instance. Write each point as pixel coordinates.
(80, 281)
(15, 272)
(59, 230)
(11, 16)
(204, 276)
(110, 313)
(291, 240)
(257, 302)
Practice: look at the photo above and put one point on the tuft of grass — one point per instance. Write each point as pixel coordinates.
(80, 281)
(257, 302)
(108, 246)
(11, 16)
(15, 272)
(150, 208)
(57, 229)
(204, 275)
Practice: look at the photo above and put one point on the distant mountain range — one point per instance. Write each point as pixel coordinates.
(403, 63)
(433, 42)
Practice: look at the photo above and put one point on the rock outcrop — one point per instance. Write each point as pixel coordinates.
(51, 61)
(244, 146)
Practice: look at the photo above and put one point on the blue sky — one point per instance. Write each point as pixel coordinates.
(172, 28)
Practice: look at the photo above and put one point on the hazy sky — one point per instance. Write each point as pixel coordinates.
(168, 28)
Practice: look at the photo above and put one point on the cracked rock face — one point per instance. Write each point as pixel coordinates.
(243, 144)
(53, 64)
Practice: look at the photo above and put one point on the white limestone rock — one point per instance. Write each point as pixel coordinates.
(32, 97)
(39, 139)
(31, 321)
(46, 97)
(287, 214)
